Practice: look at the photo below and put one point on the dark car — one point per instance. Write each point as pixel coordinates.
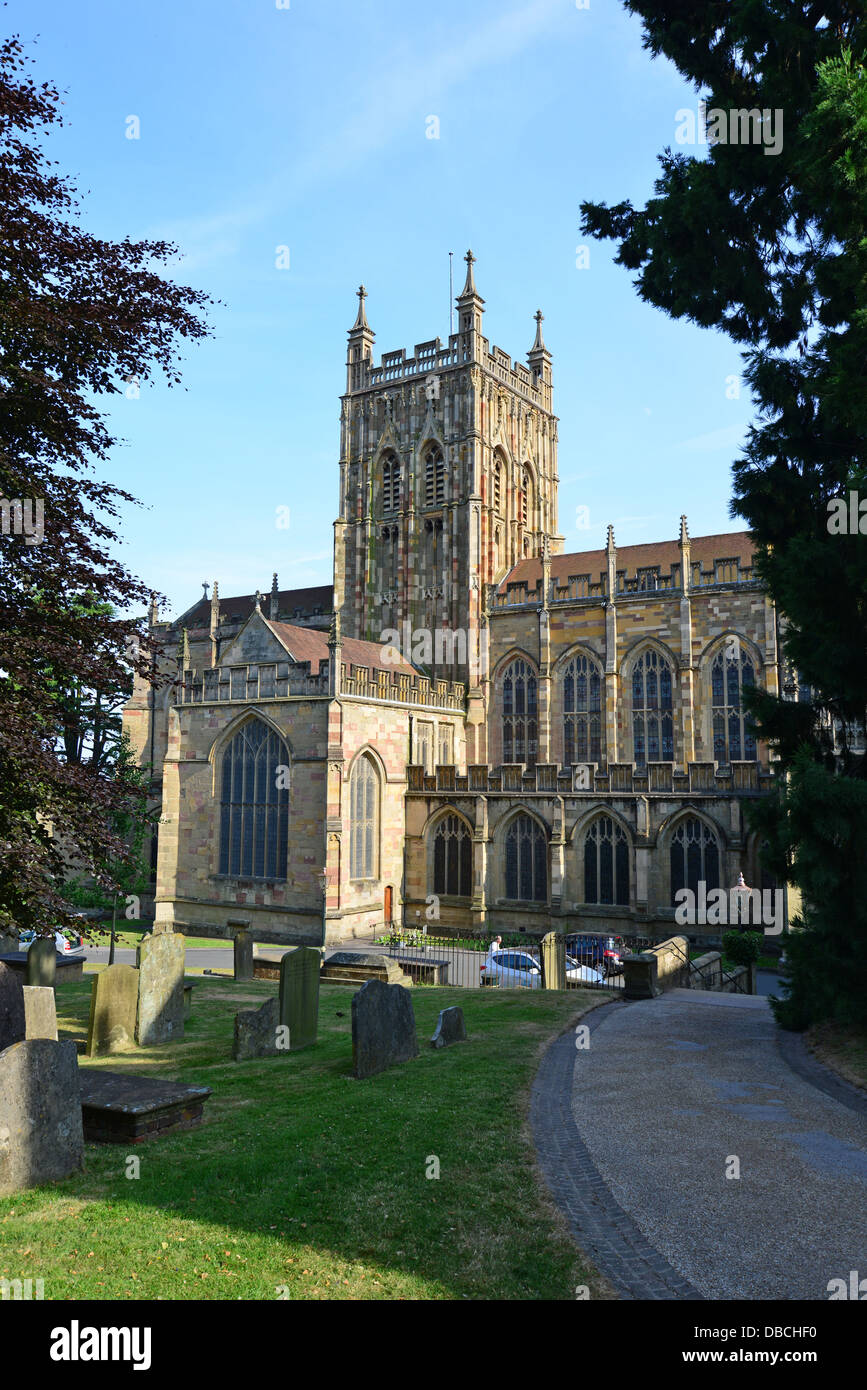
(603, 952)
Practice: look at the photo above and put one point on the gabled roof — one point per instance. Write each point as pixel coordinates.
(241, 606)
(308, 644)
(630, 558)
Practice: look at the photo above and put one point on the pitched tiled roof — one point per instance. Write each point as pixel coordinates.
(307, 644)
(241, 605)
(631, 558)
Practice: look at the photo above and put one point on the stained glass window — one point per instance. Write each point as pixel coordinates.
(526, 861)
(254, 804)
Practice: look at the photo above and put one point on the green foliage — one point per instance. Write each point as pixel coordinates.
(771, 249)
(742, 947)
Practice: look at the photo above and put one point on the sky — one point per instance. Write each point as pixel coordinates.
(286, 148)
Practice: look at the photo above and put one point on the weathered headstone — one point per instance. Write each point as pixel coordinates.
(8, 942)
(299, 995)
(113, 1005)
(41, 1135)
(383, 1028)
(256, 1032)
(160, 961)
(450, 1027)
(42, 963)
(553, 961)
(40, 1012)
(12, 1016)
(243, 945)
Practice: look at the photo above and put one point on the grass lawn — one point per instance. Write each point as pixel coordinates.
(130, 937)
(305, 1183)
(842, 1049)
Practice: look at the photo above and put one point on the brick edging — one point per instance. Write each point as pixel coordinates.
(801, 1060)
(600, 1227)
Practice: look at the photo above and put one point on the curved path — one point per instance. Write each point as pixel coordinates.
(635, 1136)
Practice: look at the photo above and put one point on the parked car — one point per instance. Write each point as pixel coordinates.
(602, 952)
(63, 942)
(520, 970)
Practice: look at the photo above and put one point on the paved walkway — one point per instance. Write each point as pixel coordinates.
(635, 1134)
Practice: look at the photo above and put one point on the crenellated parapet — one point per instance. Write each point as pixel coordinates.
(282, 679)
(591, 779)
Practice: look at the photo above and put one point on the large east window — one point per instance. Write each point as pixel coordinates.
(254, 804)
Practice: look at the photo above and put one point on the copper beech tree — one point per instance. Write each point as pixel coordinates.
(80, 317)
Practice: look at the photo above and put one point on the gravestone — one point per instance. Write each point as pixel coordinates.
(12, 1016)
(42, 963)
(41, 1135)
(243, 945)
(299, 995)
(40, 1012)
(383, 1028)
(8, 942)
(256, 1032)
(160, 961)
(450, 1028)
(113, 1005)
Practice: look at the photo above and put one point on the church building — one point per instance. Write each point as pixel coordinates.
(470, 727)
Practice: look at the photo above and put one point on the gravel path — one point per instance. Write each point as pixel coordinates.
(670, 1092)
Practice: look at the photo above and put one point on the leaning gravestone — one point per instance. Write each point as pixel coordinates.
(40, 1012)
(299, 995)
(160, 961)
(383, 1028)
(450, 1027)
(113, 1005)
(42, 963)
(12, 1016)
(41, 1135)
(256, 1032)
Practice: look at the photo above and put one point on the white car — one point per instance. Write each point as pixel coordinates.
(518, 969)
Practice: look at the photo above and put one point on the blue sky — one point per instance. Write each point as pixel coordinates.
(305, 127)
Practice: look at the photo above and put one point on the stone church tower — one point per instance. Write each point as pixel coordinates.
(448, 477)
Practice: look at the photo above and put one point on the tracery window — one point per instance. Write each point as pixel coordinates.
(363, 819)
(694, 857)
(606, 863)
(390, 484)
(254, 804)
(453, 858)
(434, 476)
(520, 713)
(526, 861)
(652, 718)
(731, 673)
(582, 711)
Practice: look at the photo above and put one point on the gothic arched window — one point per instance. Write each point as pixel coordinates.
(526, 861)
(582, 711)
(254, 804)
(520, 714)
(497, 486)
(390, 484)
(453, 859)
(731, 673)
(363, 819)
(527, 500)
(434, 477)
(694, 857)
(606, 863)
(652, 719)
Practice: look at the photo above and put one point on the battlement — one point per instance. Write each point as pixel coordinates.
(282, 679)
(591, 779)
(432, 357)
(593, 588)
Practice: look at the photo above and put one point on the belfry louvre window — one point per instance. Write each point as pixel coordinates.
(732, 673)
(498, 486)
(520, 715)
(652, 719)
(434, 477)
(526, 861)
(582, 711)
(606, 863)
(453, 859)
(390, 484)
(694, 857)
(254, 805)
(364, 820)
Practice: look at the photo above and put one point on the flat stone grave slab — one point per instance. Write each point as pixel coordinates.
(355, 967)
(120, 1109)
(68, 969)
